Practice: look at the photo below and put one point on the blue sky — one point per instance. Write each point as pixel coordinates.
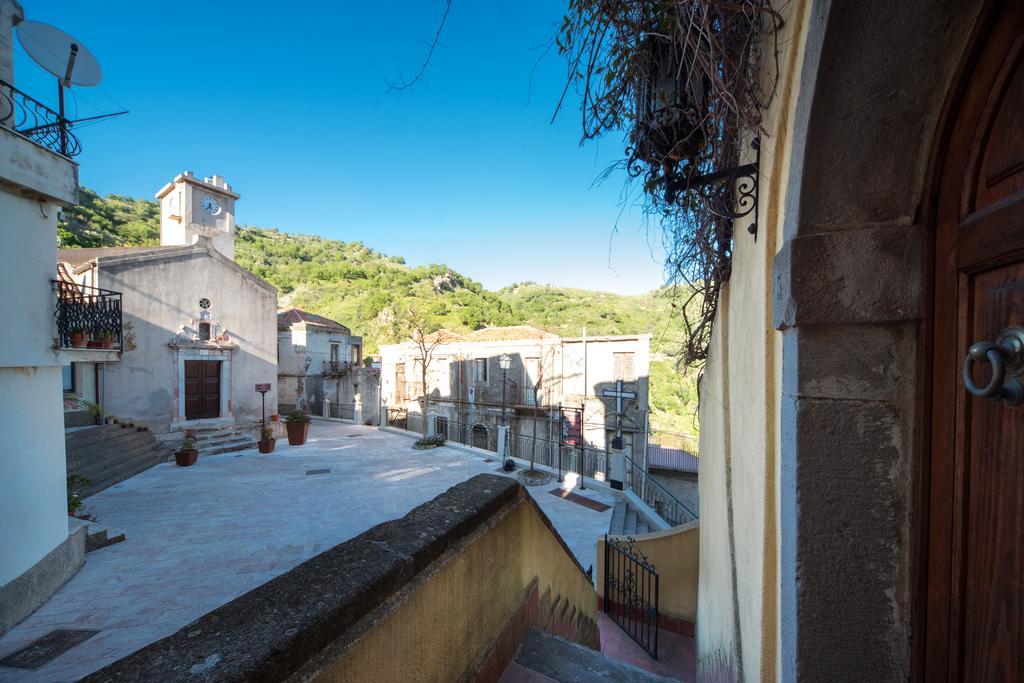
(290, 103)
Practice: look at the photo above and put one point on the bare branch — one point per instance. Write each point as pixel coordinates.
(405, 85)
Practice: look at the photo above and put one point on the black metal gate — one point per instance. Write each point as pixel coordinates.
(631, 592)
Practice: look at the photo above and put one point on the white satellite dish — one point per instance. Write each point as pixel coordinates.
(60, 54)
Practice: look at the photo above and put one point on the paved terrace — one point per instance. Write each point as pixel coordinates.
(200, 536)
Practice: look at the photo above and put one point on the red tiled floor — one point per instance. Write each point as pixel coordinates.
(676, 654)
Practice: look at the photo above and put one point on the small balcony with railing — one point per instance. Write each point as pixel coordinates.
(90, 322)
(335, 368)
(35, 121)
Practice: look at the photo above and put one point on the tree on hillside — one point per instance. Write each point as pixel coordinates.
(427, 337)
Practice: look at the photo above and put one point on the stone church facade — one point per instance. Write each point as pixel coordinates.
(203, 328)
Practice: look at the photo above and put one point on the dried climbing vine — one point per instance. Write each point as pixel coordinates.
(684, 80)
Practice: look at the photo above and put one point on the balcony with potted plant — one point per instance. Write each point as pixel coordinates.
(90, 324)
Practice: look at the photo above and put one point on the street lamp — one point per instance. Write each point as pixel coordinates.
(504, 363)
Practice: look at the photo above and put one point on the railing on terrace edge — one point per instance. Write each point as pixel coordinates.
(480, 436)
(631, 592)
(559, 455)
(87, 316)
(654, 493)
(335, 367)
(32, 119)
(400, 418)
(341, 411)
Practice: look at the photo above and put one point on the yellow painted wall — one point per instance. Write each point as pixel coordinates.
(445, 625)
(675, 554)
(737, 612)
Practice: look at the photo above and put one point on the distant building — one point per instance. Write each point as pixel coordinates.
(320, 368)
(200, 329)
(552, 387)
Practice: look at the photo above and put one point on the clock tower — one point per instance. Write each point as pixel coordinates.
(191, 208)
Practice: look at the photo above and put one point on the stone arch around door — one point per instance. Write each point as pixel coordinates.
(850, 296)
(185, 353)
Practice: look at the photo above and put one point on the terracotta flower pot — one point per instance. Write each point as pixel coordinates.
(79, 340)
(275, 417)
(186, 458)
(94, 344)
(298, 432)
(266, 446)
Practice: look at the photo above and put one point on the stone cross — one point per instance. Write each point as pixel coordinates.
(618, 393)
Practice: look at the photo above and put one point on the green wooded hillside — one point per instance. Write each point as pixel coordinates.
(367, 290)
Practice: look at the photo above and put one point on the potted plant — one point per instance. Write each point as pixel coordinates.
(275, 417)
(187, 454)
(80, 337)
(428, 442)
(106, 339)
(297, 424)
(75, 483)
(267, 440)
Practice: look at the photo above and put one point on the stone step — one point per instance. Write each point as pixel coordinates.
(109, 454)
(242, 444)
(83, 438)
(98, 536)
(115, 459)
(117, 449)
(629, 526)
(618, 519)
(114, 477)
(561, 660)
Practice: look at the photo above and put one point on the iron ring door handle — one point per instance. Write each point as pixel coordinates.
(1006, 356)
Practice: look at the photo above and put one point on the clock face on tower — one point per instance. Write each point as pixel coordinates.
(210, 205)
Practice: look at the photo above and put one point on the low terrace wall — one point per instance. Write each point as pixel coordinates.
(445, 593)
(675, 555)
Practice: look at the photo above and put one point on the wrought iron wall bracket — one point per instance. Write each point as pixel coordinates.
(730, 193)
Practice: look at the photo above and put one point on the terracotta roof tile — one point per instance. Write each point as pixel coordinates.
(294, 316)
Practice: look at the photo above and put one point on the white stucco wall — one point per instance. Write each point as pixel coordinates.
(738, 600)
(33, 493)
(160, 295)
(28, 229)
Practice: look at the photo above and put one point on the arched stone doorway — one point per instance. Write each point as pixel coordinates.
(851, 288)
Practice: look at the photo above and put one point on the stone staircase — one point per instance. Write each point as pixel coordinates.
(96, 535)
(626, 521)
(543, 656)
(217, 440)
(109, 454)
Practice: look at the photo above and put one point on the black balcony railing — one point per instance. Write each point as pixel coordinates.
(335, 367)
(88, 316)
(32, 119)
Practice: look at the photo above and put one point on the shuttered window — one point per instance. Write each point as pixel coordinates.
(624, 367)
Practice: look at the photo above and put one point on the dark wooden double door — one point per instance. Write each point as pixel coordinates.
(202, 389)
(973, 625)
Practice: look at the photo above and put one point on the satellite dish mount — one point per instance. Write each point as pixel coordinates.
(69, 61)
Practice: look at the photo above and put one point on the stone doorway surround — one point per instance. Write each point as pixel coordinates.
(222, 352)
(850, 289)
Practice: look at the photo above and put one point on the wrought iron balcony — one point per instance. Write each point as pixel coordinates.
(335, 367)
(32, 119)
(88, 317)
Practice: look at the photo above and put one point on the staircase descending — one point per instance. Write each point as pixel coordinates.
(217, 440)
(109, 454)
(626, 521)
(560, 660)
(96, 535)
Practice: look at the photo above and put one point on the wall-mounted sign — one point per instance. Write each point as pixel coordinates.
(263, 388)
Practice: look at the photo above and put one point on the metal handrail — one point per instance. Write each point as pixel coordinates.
(81, 310)
(33, 120)
(674, 520)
